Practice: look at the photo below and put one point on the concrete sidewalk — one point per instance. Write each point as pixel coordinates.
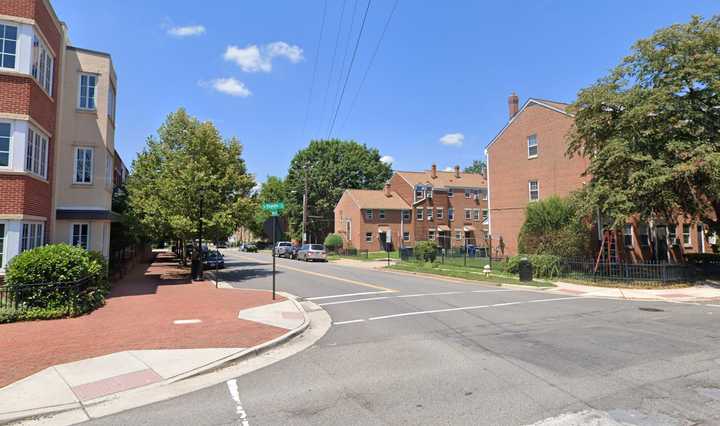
(698, 293)
(139, 339)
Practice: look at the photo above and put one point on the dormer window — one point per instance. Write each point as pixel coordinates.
(419, 192)
(532, 146)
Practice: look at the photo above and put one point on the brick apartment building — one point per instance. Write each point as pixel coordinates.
(527, 162)
(33, 95)
(447, 207)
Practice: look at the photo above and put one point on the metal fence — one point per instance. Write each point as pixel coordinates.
(650, 273)
(353, 252)
(23, 296)
(471, 257)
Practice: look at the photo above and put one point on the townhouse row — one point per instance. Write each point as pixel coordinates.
(58, 162)
(526, 162)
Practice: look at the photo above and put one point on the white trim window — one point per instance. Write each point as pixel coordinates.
(431, 234)
(42, 66)
(406, 236)
(476, 214)
(5, 138)
(381, 214)
(32, 236)
(80, 235)
(451, 214)
(534, 190)
(450, 192)
(368, 237)
(672, 234)
(687, 235)
(108, 170)
(439, 213)
(644, 234)
(468, 214)
(112, 99)
(419, 213)
(88, 92)
(406, 216)
(8, 46)
(458, 234)
(484, 194)
(348, 230)
(628, 235)
(83, 165)
(532, 145)
(485, 216)
(430, 213)
(2, 244)
(368, 214)
(36, 153)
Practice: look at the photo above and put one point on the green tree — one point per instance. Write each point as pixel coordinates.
(330, 167)
(478, 166)
(271, 191)
(187, 165)
(651, 128)
(333, 242)
(554, 226)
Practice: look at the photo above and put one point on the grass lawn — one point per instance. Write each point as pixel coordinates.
(371, 256)
(473, 274)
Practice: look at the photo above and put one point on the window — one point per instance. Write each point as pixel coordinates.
(672, 234)
(406, 236)
(42, 66)
(450, 192)
(430, 213)
(32, 236)
(468, 214)
(644, 235)
(348, 230)
(8, 46)
(451, 213)
(83, 165)
(419, 192)
(111, 102)
(406, 215)
(439, 213)
(687, 236)
(458, 234)
(80, 234)
(485, 216)
(419, 213)
(2, 243)
(476, 214)
(381, 214)
(431, 234)
(368, 237)
(369, 214)
(532, 146)
(534, 189)
(468, 193)
(88, 84)
(36, 153)
(484, 194)
(628, 235)
(5, 134)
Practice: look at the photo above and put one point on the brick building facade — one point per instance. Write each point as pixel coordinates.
(449, 208)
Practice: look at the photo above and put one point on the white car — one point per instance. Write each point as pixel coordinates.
(312, 252)
(283, 249)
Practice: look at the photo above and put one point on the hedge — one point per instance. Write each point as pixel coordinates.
(544, 265)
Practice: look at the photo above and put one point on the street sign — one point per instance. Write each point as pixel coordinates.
(274, 208)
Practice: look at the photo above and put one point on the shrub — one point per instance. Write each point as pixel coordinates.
(425, 251)
(544, 265)
(554, 226)
(333, 242)
(57, 263)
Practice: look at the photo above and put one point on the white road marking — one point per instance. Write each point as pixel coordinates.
(235, 394)
(335, 296)
(348, 322)
(468, 308)
(187, 321)
(353, 301)
(431, 294)
(492, 291)
(714, 306)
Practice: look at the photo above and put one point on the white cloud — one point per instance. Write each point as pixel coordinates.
(229, 86)
(453, 139)
(259, 59)
(448, 169)
(387, 159)
(186, 31)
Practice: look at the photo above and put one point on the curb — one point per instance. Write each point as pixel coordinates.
(243, 355)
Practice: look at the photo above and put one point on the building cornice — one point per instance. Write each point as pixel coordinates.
(25, 117)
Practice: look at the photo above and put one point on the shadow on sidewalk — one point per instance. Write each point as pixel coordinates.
(164, 270)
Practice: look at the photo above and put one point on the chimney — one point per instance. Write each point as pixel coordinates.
(387, 190)
(457, 172)
(513, 104)
(433, 171)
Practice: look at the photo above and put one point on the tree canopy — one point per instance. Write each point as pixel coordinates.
(331, 167)
(187, 163)
(271, 191)
(554, 226)
(477, 166)
(651, 128)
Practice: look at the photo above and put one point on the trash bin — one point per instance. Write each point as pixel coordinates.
(525, 270)
(194, 268)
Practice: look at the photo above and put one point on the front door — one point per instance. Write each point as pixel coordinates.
(661, 246)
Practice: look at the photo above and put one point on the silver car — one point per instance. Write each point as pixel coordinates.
(312, 252)
(283, 249)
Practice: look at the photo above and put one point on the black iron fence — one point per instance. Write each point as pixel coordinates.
(471, 257)
(353, 252)
(649, 273)
(121, 259)
(41, 295)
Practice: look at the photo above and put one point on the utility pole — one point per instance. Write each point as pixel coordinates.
(305, 208)
(200, 238)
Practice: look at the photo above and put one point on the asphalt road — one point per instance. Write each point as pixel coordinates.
(411, 350)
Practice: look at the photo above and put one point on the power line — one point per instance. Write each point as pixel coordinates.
(332, 63)
(317, 58)
(370, 64)
(345, 54)
(352, 61)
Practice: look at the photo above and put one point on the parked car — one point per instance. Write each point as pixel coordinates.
(214, 259)
(248, 247)
(294, 252)
(283, 249)
(312, 252)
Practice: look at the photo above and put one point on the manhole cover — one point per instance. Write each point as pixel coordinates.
(651, 310)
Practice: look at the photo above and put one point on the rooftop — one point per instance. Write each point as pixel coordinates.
(445, 179)
(376, 199)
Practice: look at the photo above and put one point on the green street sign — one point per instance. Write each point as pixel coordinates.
(274, 208)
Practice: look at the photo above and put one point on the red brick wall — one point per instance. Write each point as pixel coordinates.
(24, 195)
(16, 92)
(510, 170)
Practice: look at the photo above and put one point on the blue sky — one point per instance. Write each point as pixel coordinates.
(443, 68)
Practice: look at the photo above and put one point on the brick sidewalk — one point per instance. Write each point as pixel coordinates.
(139, 314)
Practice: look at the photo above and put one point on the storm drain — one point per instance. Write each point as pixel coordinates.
(651, 309)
